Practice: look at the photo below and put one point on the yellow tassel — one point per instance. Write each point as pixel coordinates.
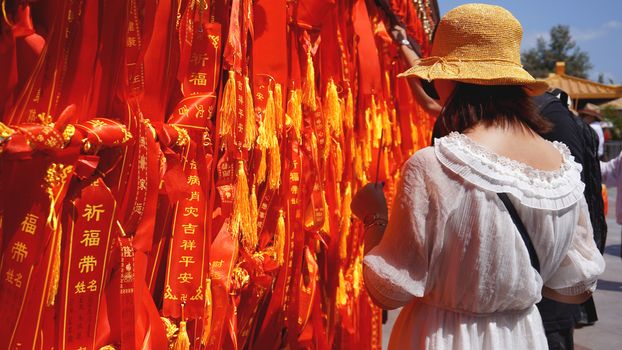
(308, 94)
(267, 131)
(367, 153)
(250, 129)
(294, 112)
(356, 276)
(207, 313)
(338, 195)
(338, 154)
(241, 206)
(251, 241)
(326, 225)
(349, 118)
(359, 169)
(228, 108)
(279, 239)
(376, 120)
(396, 128)
(52, 179)
(333, 109)
(342, 293)
(56, 257)
(261, 169)
(346, 214)
(183, 341)
(414, 134)
(385, 162)
(369, 126)
(387, 139)
(278, 108)
(274, 174)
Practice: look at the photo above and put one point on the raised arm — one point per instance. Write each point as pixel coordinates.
(429, 104)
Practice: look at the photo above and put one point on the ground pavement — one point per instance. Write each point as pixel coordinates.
(607, 332)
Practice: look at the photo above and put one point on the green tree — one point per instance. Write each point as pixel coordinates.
(540, 60)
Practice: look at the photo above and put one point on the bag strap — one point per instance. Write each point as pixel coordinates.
(535, 262)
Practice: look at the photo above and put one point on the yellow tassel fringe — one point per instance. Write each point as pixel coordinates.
(279, 239)
(294, 112)
(278, 108)
(228, 108)
(241, 206)
(207, 313)
(250, 129)
(346, 214)
(308, 94)
(183, 341)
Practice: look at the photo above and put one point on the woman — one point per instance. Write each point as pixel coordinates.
(451, 254)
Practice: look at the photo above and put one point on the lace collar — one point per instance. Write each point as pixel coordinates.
(551, 190)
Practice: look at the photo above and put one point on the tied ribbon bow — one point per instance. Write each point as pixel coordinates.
(442, 64)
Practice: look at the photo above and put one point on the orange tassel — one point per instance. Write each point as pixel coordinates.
(274, 174)
(308, 94)
(345, 221)
(251, 240)
(387, 139)
(268, 140)
(294, 112)
(267, 130)
(278, 108)
(241, 206)
(349, 117)
(338, 161)
(228, 108)
(183, 341)
(250, 129)
(357, 274)
(333, 109)
(376, 120)
(359, 168)
(55, 273)
(397, 130)
(52, 179)
(279, 239)
(342, 293)
(326, 225)
(385, 160)
(261, 169)
(207, 314)
(414, 134)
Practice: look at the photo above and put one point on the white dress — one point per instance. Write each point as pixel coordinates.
(453, 257)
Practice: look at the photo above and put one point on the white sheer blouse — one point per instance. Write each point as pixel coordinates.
(451, 244)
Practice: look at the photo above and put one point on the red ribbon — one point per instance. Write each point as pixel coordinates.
(89, 230)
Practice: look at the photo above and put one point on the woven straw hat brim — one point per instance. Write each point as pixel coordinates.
(592, 113)
(479, 72)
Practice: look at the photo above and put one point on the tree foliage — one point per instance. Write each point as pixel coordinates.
(540, 60)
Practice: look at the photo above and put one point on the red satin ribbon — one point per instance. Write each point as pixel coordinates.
(89, 226)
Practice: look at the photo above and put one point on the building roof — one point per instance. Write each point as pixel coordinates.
(615, 104)
(578, 88)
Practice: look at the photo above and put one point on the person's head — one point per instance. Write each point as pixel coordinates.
(590, 113)
(477, 45)
(468, 105)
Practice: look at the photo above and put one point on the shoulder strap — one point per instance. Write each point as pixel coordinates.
(535, 262)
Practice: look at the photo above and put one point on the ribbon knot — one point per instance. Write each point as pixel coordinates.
(443, 65)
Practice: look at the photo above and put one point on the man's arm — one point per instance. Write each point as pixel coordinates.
(611, 171)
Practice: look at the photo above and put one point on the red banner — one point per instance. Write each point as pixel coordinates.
(89, 225)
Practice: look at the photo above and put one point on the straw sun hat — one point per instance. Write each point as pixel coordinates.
(592, 110)
(477, 44)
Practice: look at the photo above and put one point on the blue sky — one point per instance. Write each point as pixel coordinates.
(595, 25)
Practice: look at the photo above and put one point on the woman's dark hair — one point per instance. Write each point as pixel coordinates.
(502, 105)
